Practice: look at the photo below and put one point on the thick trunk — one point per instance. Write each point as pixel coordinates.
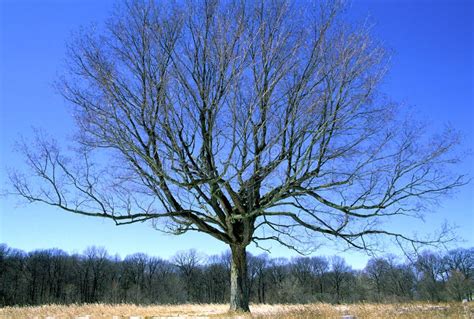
(239, 296)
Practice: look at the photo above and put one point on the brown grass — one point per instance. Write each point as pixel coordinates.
(318, 310)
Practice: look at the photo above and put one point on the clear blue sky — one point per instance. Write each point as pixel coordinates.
(432, 71)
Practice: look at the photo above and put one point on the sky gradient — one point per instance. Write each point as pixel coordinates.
(432, 72)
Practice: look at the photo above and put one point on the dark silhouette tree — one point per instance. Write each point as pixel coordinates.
(339, 276)
(188, 264)
(459, 263)
(431, 272)
(250, 121)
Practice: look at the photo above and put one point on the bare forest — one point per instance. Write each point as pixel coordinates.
(55, 277)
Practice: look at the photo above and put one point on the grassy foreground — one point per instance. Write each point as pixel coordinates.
(317, 310)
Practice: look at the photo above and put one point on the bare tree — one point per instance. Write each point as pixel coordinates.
(248, 121)
(339, 276)
(389, 280)
(188, 263)
(460, 265)
(432, 275)
(310, 271)
(216, 274)
(95, 266)
(258, 266)
(136, 266)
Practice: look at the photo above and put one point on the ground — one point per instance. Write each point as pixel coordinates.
(318, 310)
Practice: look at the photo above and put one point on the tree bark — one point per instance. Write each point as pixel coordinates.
(239, 295)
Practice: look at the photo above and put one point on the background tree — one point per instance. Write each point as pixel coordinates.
(154, 268)
(247, 121)
(95, 265)
(432, 276)
(390, 281)
(376, 271)
(459, 263)
(13, 277)
(339, 277)
(310, 273)
(302, 271)
(216, 275)
(136, 273)
(188, 264)
(258, 267)
(401, 281)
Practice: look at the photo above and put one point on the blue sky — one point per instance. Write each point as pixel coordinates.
(432, 72)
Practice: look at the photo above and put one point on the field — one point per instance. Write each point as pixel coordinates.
(406, 310)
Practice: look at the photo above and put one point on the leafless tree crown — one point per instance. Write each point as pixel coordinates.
(248, 121)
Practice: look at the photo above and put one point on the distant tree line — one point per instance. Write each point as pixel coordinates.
(53, 276)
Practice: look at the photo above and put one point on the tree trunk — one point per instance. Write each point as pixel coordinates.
(239, 295)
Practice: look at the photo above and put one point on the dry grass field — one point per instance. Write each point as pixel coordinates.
(406, 310)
